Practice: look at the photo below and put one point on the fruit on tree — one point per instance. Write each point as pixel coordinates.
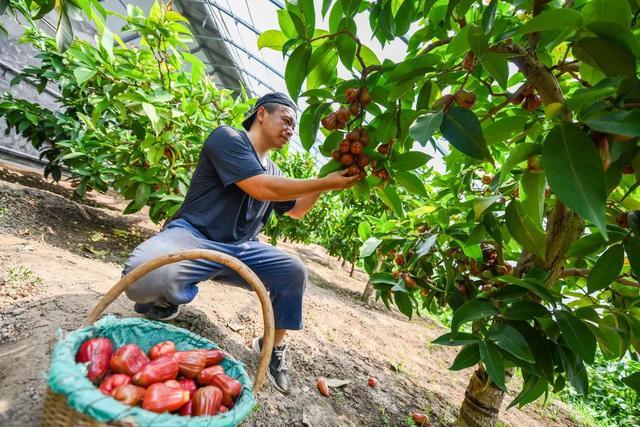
(345, 146)
(467, 62)
(465, 99)
(532, 102)
(351, 94)
(444, 102)
(399, 260)
(364, 97)
(356, 148)
(384, 149)
(336, 154)
(347, 159)
(363, 160)
(534, 164)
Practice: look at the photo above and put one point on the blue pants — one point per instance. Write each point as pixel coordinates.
(284, 275)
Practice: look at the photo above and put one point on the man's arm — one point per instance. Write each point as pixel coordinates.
(303, 205)
(271, 188)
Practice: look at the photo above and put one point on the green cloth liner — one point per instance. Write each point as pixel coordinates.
(69, 378)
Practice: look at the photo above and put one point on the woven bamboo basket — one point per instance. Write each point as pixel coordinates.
(58, 413)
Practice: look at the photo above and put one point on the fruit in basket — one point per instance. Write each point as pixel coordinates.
(128, 359)
(174, 384)
(213, 356)
(111, 382)
(187, 409)
(191, 362)
(164, 348)
(207, 400)
(160, 397)
(230, 388)
(207, 374)
(97, 352)
(189, 385)
(129, 394)
(162, 369)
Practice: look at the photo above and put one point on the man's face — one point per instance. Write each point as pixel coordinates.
(278, 126)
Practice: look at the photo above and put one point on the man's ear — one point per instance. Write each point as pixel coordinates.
(260, 114)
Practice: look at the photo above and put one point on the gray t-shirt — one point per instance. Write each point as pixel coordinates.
(217, 207)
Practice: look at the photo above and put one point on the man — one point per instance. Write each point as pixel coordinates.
(232, 193)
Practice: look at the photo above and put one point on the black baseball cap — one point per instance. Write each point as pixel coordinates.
(270, 98)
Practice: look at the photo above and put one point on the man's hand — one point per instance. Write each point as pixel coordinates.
(339, 180)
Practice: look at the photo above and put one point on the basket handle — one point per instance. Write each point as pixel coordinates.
(241, 268)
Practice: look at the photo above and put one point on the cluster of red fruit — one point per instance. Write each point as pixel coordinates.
(349, 152)
(189, 383)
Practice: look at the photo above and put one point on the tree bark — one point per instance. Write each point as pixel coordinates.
(353, 267)
(482, 400)
(368, 292)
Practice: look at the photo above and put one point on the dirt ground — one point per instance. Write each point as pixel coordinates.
(57, 256)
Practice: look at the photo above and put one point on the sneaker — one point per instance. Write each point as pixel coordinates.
(278, 372)
(162, 312)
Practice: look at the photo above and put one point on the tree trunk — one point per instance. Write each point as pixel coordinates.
(368, 292)
(482, 401)
(344, 261)
(368, 289)
(353, 266)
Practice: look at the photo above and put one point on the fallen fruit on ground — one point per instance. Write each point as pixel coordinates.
(321, 384)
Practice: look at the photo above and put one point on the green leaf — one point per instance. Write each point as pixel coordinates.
(411, 183)
(625, 123)
(532, 186)
(391, 199)
(425, 126)
(83, 75)
(574, 171)
(632, 247)
(461, 338)
(462, 129)
(469, 356)
(552, 19)
(509, 339)
(489, 15)
(524, 231)
(286, 24)
(493, 363)
(410, 160)
(403, 301)
(497, 67)
(310, 123)
(524, 310)
(606, 269)
(364, 230)
(296, 69)
(369, 246)
(519, 153)
(471, 310)
(272, 39)
(369, 58)
(330, 166)
(577, 335)
(481, 204)
(413, 67)
(575, 371)
(633, 381)
(531, 390)
(504, 128)
(585, 245)
(477, 39)
(531, 285)
(64, 29)
(609, 57)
